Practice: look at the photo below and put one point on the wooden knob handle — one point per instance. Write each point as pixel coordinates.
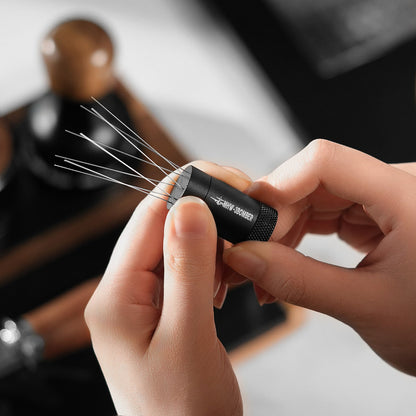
(78, 55)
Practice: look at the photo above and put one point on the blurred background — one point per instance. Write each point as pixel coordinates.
(245, 84)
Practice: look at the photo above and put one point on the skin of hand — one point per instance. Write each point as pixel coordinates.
(151, 317)
(329, 188)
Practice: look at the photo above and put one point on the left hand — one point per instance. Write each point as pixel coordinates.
(329, 188)
(160, 355)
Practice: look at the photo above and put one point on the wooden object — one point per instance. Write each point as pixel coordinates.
(78, 55)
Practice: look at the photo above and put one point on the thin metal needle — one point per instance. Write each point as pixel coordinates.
(67, 159)
(95, 113)
(111, 152)
(99, 175)
(122, 134)
(165, 170)
(82, 135)
(135, 134)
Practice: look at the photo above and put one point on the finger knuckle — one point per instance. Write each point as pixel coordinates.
(320, 151)
(184, 265)
(99, 313)
(292, 289)
(91, 315)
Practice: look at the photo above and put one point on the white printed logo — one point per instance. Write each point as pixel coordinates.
(231, 207)
(223, 203)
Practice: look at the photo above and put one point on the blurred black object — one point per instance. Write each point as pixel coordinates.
(8, 168)
(8, 161)
(339, 35)
(371, 107)
(241, 319)
(43, 137)
(40, 200)
(78, 55)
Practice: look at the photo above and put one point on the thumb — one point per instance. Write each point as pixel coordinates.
(190, 246)
(294, 278)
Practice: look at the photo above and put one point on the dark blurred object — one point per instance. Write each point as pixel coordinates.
(8, 166)
(78, 55)
(371, 108)
(53, 235)
(241, 319)
(44, 137)
(20, 346)
(7, 156)
(340, 35)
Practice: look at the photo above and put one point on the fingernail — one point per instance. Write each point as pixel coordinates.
(262, 296)
(219, 299)
(190, 218)
(217, 285)
(253, 187)
(245, 262)
(234, 278)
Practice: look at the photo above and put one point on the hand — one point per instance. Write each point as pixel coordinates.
(151, 317)
(330, 188)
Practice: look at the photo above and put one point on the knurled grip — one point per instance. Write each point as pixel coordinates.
(264, 226)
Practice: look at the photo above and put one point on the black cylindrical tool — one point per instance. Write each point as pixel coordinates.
(238, 216)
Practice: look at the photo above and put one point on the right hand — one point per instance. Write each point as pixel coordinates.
(330, 188)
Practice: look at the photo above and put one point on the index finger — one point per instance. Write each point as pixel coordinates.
(346, 173)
